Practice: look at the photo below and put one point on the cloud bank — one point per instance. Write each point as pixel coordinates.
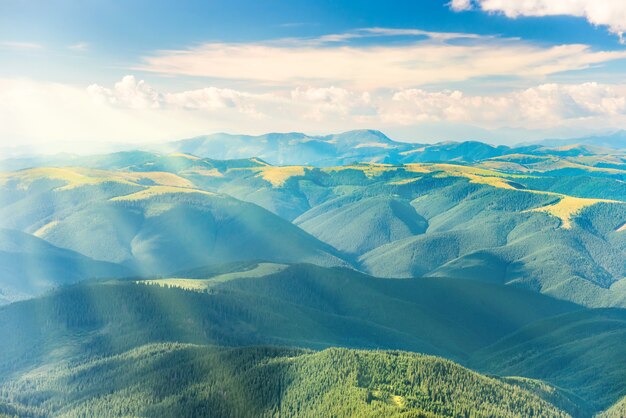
(542, 107)
(133, 110)
(423, 58)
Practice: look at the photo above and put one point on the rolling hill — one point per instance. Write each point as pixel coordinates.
(291, 148)
(191, 380)
(552, 233)
(616, 140)
(355, 224)
(375, 147)
(30, 266)
(151, 227)
(97, 326)
(503, 259)
(330, 150)
(583, 351)
(298, 305)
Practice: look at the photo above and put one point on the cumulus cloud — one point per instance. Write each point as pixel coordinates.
(213, 98)
(333, 60)
(137, 94)
(610, 13)
(132, 109)
(544, 106)
(460, 5)
(127, 93)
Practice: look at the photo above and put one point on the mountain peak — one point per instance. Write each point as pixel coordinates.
(364, 135)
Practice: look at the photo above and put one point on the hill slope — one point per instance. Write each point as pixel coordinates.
(151, 222)
(356, 225)
(164, 233)
(291, 148)
(329, 150)
(191, 380)
(302, 305)
(616, 411)
(30, 266)
(584, 351)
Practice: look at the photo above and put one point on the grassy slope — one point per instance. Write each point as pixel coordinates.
(492, 234)
(161, 234)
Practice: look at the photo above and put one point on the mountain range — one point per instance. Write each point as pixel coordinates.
(364, 146)
(374, 147)
(253, 257)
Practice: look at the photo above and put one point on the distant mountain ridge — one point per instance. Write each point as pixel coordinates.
(293, 148)
(329, 150)
(357, 146)
(371, 146)
(616, 140)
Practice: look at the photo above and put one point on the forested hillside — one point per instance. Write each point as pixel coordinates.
(302, 305)
(549, 223)
(307, 306)
(190, 380)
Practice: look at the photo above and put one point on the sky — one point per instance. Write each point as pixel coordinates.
(75, 75)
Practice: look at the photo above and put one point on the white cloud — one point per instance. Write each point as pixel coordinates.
(610, 13)
(333, 60)
(379, 32)
(51, 113)
(460, 5)
(133, 94)
(133, 110)
(542, 107)
(212, 98)
(127, 93)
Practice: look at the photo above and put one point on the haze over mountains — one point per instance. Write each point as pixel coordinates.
(368, 146)
(508, 260)
(539, 219)
(338, 149)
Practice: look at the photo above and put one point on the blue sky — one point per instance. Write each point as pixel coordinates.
(422, 70)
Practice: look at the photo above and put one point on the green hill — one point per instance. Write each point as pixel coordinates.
(441, 220)
(151, 222)
(337, 149)
(301, 305)
(30, 266)
(506, 236)
(494, 257)
(191, 380)
(308, 306)
(164, 233)
(355, 224)
(582, 351)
